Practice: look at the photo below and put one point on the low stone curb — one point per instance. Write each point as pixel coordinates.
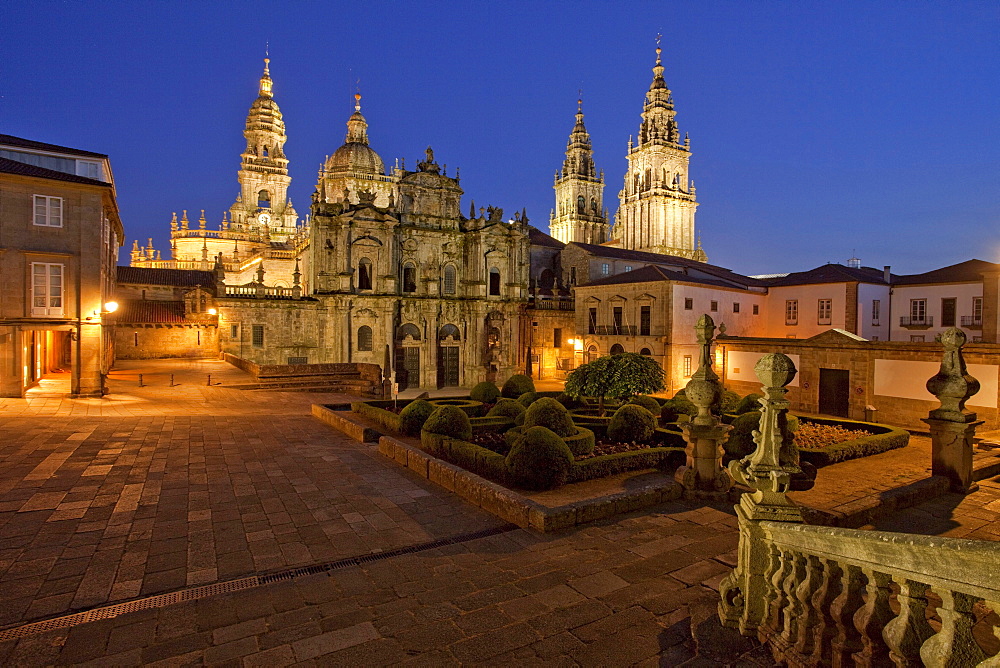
(867, 509)
(344, 422)
(515, 508)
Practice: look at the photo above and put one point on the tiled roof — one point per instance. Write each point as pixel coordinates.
(140, 310)
(538, 238)
(829, 273)
(969, 271)
(175, 277)
(8, 166)
(652, 272)
(725, 275)
(10, 140)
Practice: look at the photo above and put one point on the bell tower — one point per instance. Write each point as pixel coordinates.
(579, 214)
(657, 203)
(263, 206)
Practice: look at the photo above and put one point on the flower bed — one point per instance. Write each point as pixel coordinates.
(384, 413)
(875, 439)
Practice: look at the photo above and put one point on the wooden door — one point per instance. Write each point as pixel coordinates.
(448, 366)
(835, 392)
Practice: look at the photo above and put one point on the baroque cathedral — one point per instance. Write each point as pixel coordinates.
(386, 269)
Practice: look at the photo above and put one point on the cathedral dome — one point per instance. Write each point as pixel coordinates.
(355, 155)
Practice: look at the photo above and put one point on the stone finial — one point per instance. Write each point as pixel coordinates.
(260, 273)
(184, 220)
(704, 390)
(769, 469)
(173, 222)
(953, 385)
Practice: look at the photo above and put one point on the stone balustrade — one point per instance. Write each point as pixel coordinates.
(262, 291)
(848, 597)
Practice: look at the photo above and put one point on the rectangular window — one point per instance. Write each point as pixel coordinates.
(572, 275)
(257, 336)
(713, 306)
(628, 267)
(687, 365)
(876, 312)
(736, 307)
(916, 338)
(688, 303)
(234, 331)
(948, 308)
(756, 309)
(46, 289)
(918, 311)
(592, 321)
(792, 312)
(605, 269)
(977, 310)
(824, 311)
(557, 337)
(199, 337)
(645, 318)
(135, 338)
(617, 315)
(90, 169)
(48, 211)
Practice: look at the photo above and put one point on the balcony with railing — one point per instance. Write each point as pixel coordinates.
(916, 321)
(972, 321)
(616, 330)
(552, 303)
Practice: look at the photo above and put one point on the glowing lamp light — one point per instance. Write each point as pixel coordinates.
(212, 311)
(110, 307)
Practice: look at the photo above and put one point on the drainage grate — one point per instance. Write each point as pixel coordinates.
(205, 591)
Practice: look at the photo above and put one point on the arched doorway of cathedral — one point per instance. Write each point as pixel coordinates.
(492, 353)
(408, 356)
(617, 349)
(592, 354)
(448, 356)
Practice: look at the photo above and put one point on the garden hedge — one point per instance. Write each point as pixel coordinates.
(468, 406)
(605, 465)
(413, 416)
(883, 439)
(377, 414)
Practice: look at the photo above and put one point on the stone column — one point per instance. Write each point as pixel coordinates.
(768, 471)
(952, 427)
(702, 474)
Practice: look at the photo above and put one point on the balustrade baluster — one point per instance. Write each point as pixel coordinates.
(908, 631)
(808, 616)
(778, 598)
(847, 640)
(993, 661)
(953, 645)
(871, 619)
(822, 601)
(793, 605)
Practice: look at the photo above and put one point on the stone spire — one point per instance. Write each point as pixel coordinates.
(658, 115)
(579, 191)
(265, 79)
(579, 154)
(357, 126)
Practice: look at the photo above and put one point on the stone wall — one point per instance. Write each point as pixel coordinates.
(145, 341)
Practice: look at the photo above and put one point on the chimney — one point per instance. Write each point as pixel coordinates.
(886, 274)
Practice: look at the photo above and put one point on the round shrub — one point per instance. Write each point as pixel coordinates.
(519, 418)
(740, 443)
(506, 408)
(571, 402)
(631, 423)
(528, 398)
(449, 421)
(680, 394)
(485, 392)
(730, 400)
(549, 413)
(517, 385)
(748, 403)
(539, 459)
(647, 402)
(582, 442)
(413, 416)
(674, 408)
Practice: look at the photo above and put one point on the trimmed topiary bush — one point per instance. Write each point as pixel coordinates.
(751, 402)
(631, 423)
(539, 459)
(730, 400)
(674, 408)
(506, 408)
(680, 394)
(449, 421)
(517, 385)
(528, 398)
(647, 402)
(571, 402)
(485, 392)
(549, 413)
(413, 416)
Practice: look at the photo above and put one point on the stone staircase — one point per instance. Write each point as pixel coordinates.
(345, 382)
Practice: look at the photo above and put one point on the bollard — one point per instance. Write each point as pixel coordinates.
(140, 380)
(209, 379)
(171, 380)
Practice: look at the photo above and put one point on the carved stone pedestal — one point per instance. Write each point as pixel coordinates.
(951, 452)
(702, 475)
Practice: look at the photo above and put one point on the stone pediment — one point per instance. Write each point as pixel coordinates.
(618, 298)
(592, 300)
(367, 240)
(837, 337)
(645, 297)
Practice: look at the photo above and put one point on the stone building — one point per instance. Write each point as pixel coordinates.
(657, 203)
(579, 214)
(59, 237)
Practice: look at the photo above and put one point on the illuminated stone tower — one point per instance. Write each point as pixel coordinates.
(263, 205)
(657, 204)
(579, 214)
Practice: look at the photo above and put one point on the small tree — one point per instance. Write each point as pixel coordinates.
(620, 376)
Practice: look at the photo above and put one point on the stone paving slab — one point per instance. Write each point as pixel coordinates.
(974, 516)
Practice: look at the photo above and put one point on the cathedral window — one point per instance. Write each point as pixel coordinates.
(593, 206)
(365, 274)
(257, 336)
(409, 277)
(649, 178)
(581, 204)
(264, 199)
(495, 281)
(449, 280)
(265, 152)
(364, 338)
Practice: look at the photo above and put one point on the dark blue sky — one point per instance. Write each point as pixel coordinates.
(818, 129)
